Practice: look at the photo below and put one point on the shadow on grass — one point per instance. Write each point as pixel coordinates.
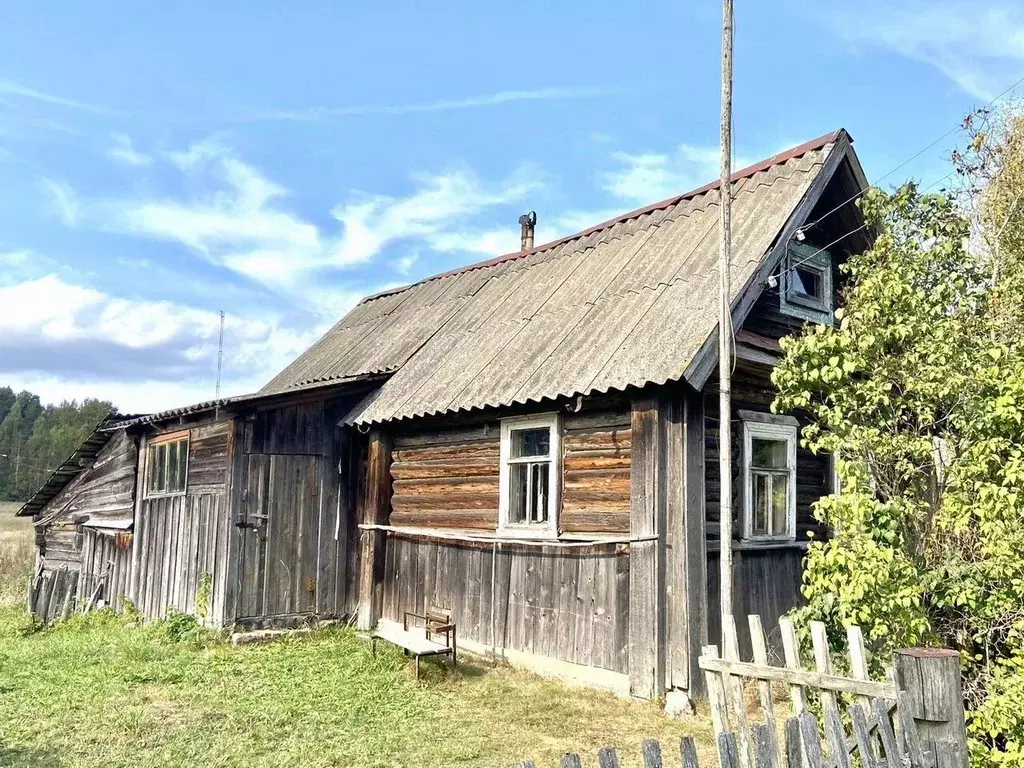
(28, 757)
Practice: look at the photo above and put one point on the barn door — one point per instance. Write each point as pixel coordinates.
(280, 529)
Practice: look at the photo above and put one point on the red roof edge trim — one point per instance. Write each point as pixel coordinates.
(750, 170)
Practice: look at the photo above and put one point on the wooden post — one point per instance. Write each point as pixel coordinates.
(138, 527)
(725, 320)
(648, 518)
(929, 679)
(695, 537)
(375, 511)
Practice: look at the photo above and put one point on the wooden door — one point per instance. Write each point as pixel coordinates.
(280, 533)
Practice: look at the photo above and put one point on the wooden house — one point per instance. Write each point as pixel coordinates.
(529, 443)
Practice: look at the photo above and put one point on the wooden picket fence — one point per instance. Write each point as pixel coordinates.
(913, 719)
(802, 748)
(881, 714)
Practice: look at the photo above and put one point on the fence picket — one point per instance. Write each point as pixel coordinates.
(885, 733)
(759, 643)
(571, 760)
(791, 650)
(687, 752)
(862, 733)
(716, 694)
(763, 746)
(811, 740)
(651, 750)
(734, 690)
(858, 659)
(607, 758)
(728, 755)
(836, 735)
(794, 752)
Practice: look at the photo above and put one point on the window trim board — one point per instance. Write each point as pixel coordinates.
(552, 422)
(771, 430)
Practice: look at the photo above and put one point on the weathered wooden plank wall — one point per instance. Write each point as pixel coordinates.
(766, 582)
(107, 562)
(183, 539)
(297, 475)
(104, 491)
(567, 604)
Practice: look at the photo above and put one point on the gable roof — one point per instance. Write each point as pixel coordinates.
(628, 302)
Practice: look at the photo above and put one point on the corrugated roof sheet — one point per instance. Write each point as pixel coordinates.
(626, 303)
(71, 467)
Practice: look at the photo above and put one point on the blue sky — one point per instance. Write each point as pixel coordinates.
(278, 161)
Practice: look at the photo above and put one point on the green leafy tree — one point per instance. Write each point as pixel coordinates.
(919, 393)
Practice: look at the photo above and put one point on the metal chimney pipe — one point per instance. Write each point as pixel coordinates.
(528, 225)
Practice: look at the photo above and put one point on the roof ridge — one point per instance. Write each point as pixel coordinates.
(743, 173)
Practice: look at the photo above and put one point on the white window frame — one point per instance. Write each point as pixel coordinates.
(549, 529)
(185, 438)
(768, 431)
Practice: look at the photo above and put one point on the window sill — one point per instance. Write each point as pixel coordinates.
(176, 494)
(750, 545)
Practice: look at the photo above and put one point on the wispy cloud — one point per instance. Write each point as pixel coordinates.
(978, 46)
(63, 199)
(125, 152)
(235, 216)
(647, 177)
(11, 88)
(317, 114)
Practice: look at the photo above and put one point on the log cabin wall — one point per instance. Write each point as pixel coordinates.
(566, 604)
(180, 553)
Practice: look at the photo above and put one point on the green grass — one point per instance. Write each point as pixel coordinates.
(99, 692)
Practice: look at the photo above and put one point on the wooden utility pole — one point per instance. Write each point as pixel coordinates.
(220, 353)
(725, 321)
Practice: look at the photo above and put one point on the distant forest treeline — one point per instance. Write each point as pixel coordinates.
(35, 439)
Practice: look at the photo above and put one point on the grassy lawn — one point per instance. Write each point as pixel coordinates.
(99, 692)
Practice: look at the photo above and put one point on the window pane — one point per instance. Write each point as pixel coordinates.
(518, 493)
(539, 487)
(761, 504)
(159, 466)
(780, 504)
(808, 282)
(531, 442)
(182, 465)
(172, 467)
(768, 454)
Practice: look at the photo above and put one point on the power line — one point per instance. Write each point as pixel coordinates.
(879, 181)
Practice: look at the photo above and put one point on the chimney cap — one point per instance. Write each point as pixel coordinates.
(529, 218)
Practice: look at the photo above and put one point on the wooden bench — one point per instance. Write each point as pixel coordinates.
(419, 641)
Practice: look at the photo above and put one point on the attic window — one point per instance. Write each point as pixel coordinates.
(167, 465)
(806, 290)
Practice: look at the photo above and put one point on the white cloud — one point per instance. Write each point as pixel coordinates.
(72, 341)
(64, 200)
(651, 176)
(124, 151)
(978, 46)
(239, 217)
(316, 114)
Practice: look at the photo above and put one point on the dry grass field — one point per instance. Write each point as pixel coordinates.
(16, 551)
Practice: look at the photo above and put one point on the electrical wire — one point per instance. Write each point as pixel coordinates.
(879, 181)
